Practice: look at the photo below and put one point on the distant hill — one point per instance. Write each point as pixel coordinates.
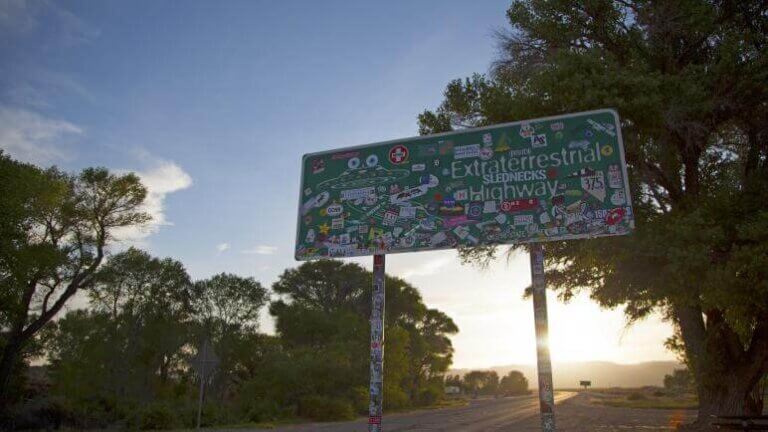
(602, 374)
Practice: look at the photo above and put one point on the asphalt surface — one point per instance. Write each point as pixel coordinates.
(479, 415)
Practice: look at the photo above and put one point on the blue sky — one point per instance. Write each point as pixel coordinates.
(214, 103)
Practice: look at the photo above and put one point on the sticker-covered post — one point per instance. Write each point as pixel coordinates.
(377, 346)
(544, 365)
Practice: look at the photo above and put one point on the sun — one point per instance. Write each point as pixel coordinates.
(575, 336)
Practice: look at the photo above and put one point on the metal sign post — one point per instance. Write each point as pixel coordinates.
(204, 363)
(544, 365)
(201, 398)
(377, 346)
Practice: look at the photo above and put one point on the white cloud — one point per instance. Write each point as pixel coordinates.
(221, 247)
(34, 138)
(163, 178)
(31, 137)
(261, 250)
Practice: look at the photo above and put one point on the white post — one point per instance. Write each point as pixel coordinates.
(377, 346)
(546, 393)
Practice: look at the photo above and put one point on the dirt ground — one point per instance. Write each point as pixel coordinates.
(578, 414)
(575, 413)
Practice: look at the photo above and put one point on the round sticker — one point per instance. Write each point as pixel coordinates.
(606, 150)
(398, 154)
(614, 216)
(372, 160)
(551, 173)
(353, 163)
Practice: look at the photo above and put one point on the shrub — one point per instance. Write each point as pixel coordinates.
(39, 413)
(635, 396)
(360, 399)
(91, 413)
(430, 396)
(216, 413)
(157, 416)
(325, 409)
(394, 397)
(261, 410)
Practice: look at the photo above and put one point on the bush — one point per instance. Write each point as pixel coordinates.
(430, 396)
(157, 416)
(395, 397)
(39, 413)
(217, 413)
(325, 409)
(360, 399)
(635, 396)
(261, 410)
(91, 413)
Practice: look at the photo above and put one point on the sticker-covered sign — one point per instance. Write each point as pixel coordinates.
(555, 178)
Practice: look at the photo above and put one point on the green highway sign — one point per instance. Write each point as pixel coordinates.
(555, 178)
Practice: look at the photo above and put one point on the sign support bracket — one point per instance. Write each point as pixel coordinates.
(377, 346)
(543, 362)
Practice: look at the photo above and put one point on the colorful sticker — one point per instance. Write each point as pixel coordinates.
(398, 154)
(511, 183)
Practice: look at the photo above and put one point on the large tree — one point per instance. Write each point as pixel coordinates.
(324, 314)
(54, 231)
(689, 81)
(148, 304)
(482, 382)
(226, 311)
(513, 383)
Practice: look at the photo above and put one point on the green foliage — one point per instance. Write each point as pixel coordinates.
(432, 393)
(513, 383)
(132, 348)
(228, 301)
(54, 228)
(688, 79)
(482, 382)
(124, 361)
(157, 416)
(680, 381)
(323, 315)
(325, 409)
(360, 399)
(396, 398)
(225, 309)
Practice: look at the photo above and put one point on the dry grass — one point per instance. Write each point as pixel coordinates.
(646, 397)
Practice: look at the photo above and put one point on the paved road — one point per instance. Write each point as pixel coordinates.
(479, 415)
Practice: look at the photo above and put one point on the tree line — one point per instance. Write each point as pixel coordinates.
(124, 360)
(487, 383)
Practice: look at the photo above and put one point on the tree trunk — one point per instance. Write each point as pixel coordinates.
(729, 396)
(726, 374)
(7, 363)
